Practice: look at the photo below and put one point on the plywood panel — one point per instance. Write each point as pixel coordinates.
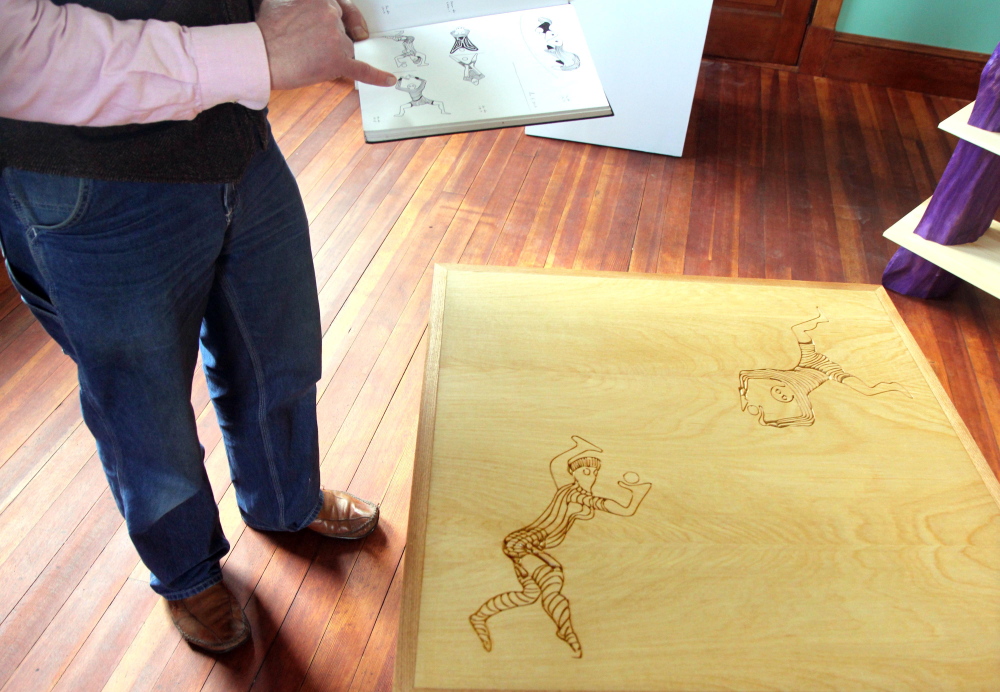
(829, 524)
(958, 125)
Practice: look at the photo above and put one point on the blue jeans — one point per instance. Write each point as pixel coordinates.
(128, 278)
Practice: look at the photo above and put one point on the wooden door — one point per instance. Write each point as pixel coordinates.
(768, 31)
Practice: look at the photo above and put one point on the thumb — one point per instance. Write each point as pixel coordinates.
(363, 72)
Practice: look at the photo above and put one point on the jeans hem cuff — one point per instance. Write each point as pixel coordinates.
(194, 590)
(310, 517)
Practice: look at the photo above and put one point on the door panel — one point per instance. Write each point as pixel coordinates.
(758, 30)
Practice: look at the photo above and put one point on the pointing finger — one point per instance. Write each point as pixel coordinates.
(363, 72)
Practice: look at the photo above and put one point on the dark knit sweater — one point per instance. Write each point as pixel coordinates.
(215, 147)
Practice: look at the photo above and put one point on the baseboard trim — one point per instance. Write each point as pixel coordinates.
(895, 64)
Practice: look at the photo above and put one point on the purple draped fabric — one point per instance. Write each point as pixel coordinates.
(964, 203)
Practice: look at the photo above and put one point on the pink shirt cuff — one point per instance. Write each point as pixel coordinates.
(232, 65)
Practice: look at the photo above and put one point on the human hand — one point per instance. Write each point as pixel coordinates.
(307, 42)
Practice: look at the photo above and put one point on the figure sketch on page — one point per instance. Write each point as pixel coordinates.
(554, 46)
(409, 54)
(466, 53)
(414, 86)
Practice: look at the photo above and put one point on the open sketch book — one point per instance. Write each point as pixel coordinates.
(516, 68)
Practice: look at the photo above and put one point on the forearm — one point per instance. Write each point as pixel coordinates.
(75, 66)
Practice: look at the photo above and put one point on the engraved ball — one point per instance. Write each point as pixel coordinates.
(631, 477)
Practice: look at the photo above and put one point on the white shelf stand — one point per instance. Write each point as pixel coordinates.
(978, 262)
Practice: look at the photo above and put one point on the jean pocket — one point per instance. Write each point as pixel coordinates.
(44, 201)
(33, 298)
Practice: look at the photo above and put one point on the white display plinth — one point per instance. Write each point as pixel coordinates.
(648, 53)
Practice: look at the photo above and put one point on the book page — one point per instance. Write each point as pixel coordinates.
(483, 69)
(387, 15)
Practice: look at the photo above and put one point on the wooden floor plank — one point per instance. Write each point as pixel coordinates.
(13, 324)
(32, 393)
(58, 644)
(802, 246)
(528, 204)
(396, 441)
(624, 222)
(338, 268)
(267, 609)
(569, 229)
(916, 154)
(323, 175)
(58, 479)
(849, 232)
(9, 298)
(495, 214)
(698, 248)
(120, 623)
(656, 192)
(343, 643)
(601, 211)
(985, 369)
(299, 101)
(375, 670)
(309, 125)
(40, 599)
(147, 653)
(552, 208)
(749, 181)
(318, 140)
(32, 456)
(347, 199)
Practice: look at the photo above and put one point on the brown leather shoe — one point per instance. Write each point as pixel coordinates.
(345, 516)
(211, 620)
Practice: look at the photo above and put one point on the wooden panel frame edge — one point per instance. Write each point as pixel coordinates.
(957, 424)
(413, 575)
(640, 276)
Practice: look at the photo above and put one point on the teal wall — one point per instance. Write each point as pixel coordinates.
(963, 24)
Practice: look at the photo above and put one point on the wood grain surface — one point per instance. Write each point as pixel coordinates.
(858, 551)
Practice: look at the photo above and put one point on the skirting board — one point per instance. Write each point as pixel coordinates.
(648, 53)
(893, 64)
(710, 515)
(958, 125)
(978, 262)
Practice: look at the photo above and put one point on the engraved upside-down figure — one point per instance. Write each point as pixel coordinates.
(574, 473)
(780, 398)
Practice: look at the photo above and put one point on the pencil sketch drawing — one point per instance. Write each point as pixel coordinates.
(574, 473)
(465, 53)
(414, 86)
(780, 398)
(554, 46)
(410, 55)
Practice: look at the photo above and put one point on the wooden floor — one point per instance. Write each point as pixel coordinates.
(784, 176)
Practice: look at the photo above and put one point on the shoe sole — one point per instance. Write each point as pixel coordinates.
(220, 648)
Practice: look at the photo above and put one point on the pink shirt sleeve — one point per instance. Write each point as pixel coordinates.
(71, 65)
